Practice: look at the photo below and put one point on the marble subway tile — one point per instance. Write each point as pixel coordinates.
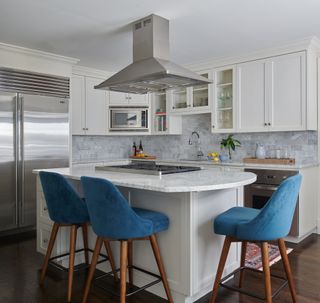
(302, 145)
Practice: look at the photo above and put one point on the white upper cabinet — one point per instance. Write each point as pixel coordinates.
(286, 92)
(192, 100)
(251, 101)
(272, 94)
(123, 99)
(96, 108)
(223, 107)
(89, 106)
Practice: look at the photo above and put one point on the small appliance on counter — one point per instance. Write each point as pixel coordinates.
(260, 151)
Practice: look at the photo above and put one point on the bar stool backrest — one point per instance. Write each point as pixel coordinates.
(275, 219)
(110, 213)
(64, 204)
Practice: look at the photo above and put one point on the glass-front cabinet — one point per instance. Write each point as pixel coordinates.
(192, 99)
(163, 122)
(223, 115)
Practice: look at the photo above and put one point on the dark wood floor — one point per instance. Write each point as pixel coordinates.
(19, 264)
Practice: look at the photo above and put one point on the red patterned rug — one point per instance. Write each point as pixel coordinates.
(253, 255)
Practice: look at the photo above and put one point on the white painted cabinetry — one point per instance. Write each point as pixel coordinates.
(223, 115)
(89, 106)
(286, 92)
(251, 101)
(271, 94)
(123, 99)
(192, 100)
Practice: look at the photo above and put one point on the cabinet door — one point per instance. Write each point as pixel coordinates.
(252, 109)
(201, 95)
(135, 99)
(116, 98)
(78, 105)
(180, 99)
(286, 89)
(96, 108)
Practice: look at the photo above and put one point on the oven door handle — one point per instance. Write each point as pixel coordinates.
(264, 187)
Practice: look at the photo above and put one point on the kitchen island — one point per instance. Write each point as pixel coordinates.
(189, 248)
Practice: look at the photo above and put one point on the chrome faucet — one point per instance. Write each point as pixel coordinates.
(199, 151)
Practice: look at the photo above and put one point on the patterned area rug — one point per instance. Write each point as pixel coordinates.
(253, 255)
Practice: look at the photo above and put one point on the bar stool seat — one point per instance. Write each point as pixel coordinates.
(67, 208)
(160, 222)
(112, 218)
(271, 223)
(227, 222)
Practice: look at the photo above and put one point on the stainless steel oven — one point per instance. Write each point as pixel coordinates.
(129, 119)
(256, 195)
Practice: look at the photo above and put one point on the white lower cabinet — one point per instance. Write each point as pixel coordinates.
(89, 106)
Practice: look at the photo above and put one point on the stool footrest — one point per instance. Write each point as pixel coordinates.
(240, 290)
(138, 289)
(63, 268)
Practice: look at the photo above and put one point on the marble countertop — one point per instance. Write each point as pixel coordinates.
(203, 180)
(295, 166)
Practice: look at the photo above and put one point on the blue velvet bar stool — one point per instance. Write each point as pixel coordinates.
(112, 218)
(271, 223)
(66, 208)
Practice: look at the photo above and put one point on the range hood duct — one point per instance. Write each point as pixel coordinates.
(151, 70)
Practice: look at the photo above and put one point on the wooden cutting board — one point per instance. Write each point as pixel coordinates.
(146, 157)
(284, 161)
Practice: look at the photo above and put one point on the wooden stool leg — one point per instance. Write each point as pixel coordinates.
(130, 261)
(111, 260)
(156, 252)
(73, 239)
(222, 262)
(53, 236)
(243, 261)
(285, 260)
(92, 269)
(123, 270)
(266, 270)
(85, 241)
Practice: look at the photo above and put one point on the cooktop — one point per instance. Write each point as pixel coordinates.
(148, 168)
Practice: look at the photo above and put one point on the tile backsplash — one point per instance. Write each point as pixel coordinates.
(301, 145)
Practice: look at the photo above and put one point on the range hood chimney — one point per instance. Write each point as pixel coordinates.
(151, 70)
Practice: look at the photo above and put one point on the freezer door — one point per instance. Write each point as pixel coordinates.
(44, 144)
(8, 165)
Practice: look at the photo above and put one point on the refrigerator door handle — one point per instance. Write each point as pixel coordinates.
(22, 187)
(17, 151)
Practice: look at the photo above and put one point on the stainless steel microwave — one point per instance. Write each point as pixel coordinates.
(128, 118)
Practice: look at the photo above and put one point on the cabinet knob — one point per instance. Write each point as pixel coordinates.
(265, 124)
(269, 124)
(212, 126)
(83, 129)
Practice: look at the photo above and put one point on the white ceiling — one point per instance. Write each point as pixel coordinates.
(98, 32)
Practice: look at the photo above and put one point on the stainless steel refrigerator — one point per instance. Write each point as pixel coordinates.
(34, 133)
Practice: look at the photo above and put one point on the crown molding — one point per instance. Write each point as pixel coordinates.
(308, 43)
(90, 72)
(37, 53)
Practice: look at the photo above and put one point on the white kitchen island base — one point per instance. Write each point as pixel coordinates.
(189, 248)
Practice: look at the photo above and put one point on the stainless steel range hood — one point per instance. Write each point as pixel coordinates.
(151, 69)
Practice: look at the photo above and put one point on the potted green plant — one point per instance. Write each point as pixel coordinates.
(230, 144)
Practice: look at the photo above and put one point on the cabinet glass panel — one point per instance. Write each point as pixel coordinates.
(179, 98)
(200, 94)
(160, 105)
(224, 99)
